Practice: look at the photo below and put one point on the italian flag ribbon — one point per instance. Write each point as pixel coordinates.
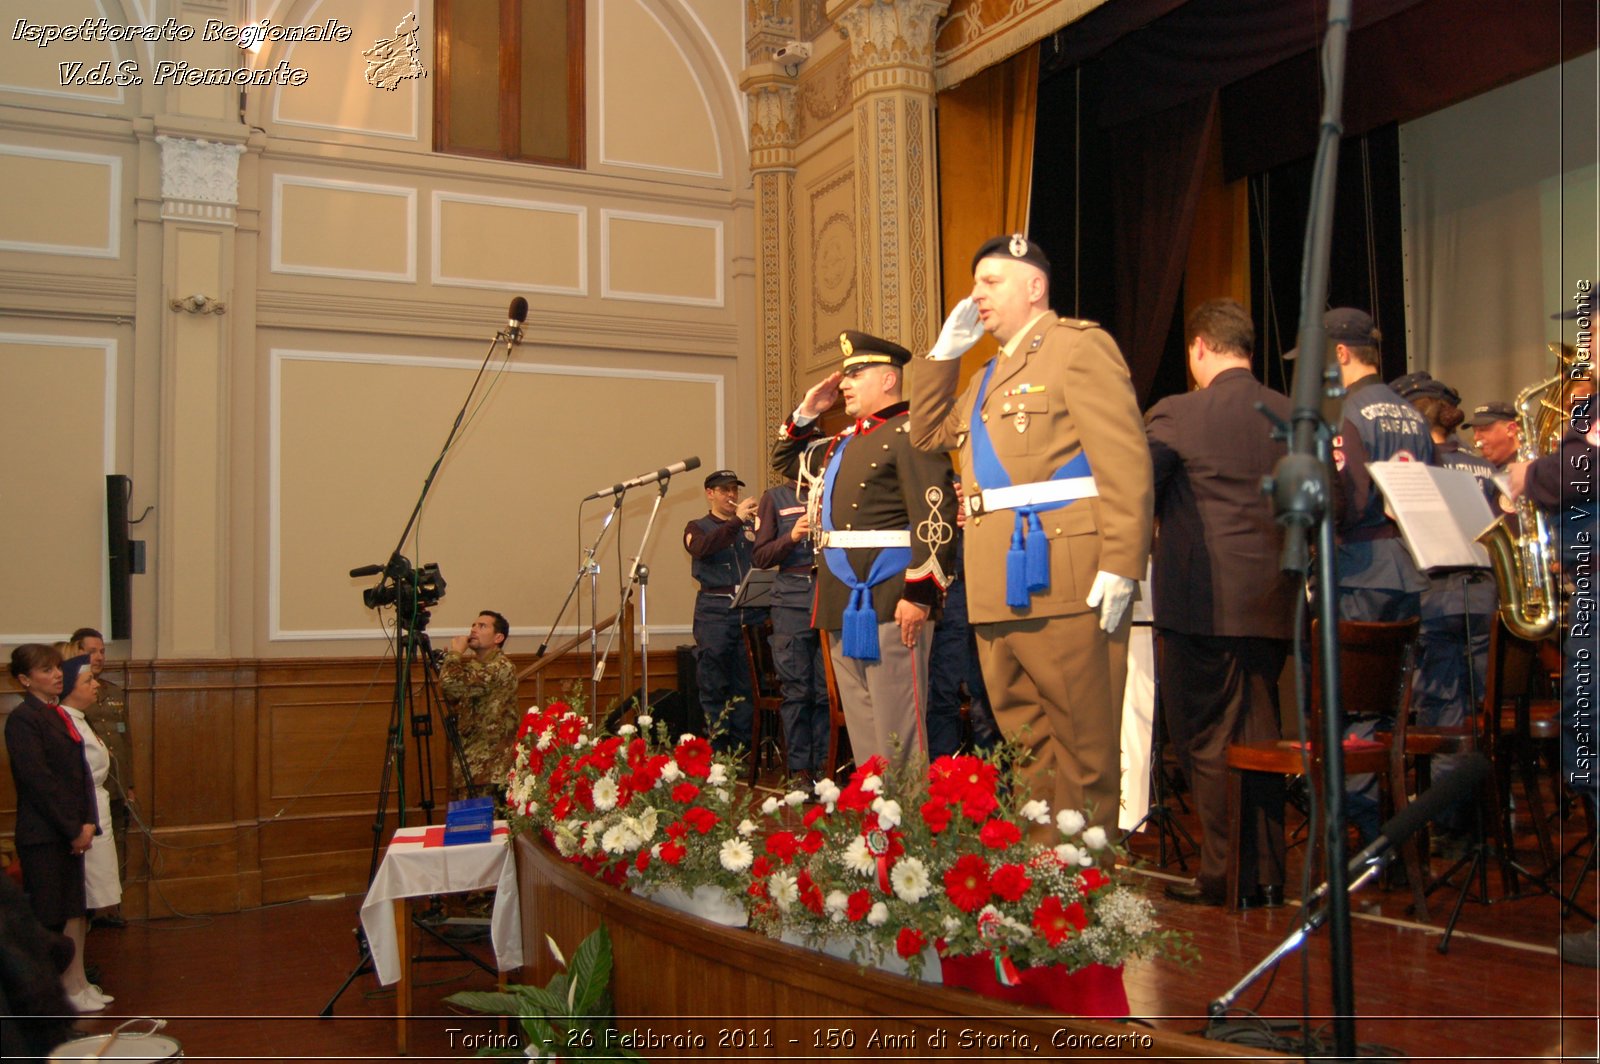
(1005, 972)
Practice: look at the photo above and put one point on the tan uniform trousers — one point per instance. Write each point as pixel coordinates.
(885, 702)
(1056, 683)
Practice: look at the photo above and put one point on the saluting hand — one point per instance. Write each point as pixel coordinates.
(821, 396)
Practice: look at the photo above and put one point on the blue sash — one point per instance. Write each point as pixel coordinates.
(1028, 560)
(860, 618)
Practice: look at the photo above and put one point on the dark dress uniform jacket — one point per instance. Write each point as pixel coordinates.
(1217, 545)
(1065, 390)
(883, 482)
(55, 793)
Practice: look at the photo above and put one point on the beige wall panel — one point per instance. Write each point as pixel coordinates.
(654, 110)
(828, 258)
(497, 243)
(53, 424)
(61, 202)
(321, 749)
(196, 463)
(355, 435)
(724, 24)
(344, 229)
(336, 95)
(660, 259)
(34, 70)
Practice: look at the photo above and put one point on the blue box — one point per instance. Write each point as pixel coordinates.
(469, 820)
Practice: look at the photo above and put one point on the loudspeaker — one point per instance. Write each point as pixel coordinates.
(119, 555)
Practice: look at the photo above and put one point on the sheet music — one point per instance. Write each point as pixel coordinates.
(1440, 513)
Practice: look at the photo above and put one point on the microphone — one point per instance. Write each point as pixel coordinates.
(646, 478)
(366, 570)
(515, 316)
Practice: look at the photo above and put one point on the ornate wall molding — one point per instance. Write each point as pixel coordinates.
(980, 33)
(199, 179)
(891, 41)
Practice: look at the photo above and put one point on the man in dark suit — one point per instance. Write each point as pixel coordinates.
(1223, 608)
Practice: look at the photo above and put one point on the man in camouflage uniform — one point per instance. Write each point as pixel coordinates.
(109, 719)
(479, 685)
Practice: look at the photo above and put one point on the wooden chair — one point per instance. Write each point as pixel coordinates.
(1375, 677)
(766, 699)
(837, 731)
(1523, 714)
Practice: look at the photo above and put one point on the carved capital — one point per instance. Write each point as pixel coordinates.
(774, 116)
(199, 179)
(891, 41)
(769, 26)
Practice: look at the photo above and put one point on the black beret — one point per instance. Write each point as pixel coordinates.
(1489, 413)
(864, 349)
(1012, 246)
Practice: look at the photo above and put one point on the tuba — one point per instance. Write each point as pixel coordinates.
(1520, 545)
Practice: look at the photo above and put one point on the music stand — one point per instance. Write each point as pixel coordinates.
(755, 590)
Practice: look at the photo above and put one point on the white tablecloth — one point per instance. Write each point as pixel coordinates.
(416, 865)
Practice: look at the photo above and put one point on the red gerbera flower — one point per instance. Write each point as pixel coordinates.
(1055, 922)
(673, 852)
(967, 883)
(998, 834)
(936, 815)
(694, 757)
(1091, 880)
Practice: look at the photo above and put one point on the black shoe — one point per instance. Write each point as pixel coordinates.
(107, 919)
(1195, 893)
(1266, 898)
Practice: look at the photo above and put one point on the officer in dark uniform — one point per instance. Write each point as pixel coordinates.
(1458, 607)
(783, 541)
(1378, 579)
(719, 544)
(888, 515)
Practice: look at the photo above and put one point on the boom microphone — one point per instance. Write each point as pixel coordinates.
(515, 316)
(646, 478)
(366, 570)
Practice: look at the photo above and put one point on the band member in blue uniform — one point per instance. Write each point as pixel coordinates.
(783, 541)
(720, 545)
(887, 513)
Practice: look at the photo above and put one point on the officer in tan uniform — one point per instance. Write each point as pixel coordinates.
(1058, 505)
(479, 684)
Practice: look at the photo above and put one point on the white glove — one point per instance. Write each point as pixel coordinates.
(961, 330)
(1111, 593)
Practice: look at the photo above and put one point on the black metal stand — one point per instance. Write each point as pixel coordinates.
(1167, 827)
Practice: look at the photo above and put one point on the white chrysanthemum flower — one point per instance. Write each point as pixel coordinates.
(546, 737)
(858, 858)
(827, 793)
(736, 856)
(794, 798)
(566, 840)
(583, 740)
(769, 806)
(1095, 838)
(618, 838)
(604, 793)
(687, 736)
(835, 904)
(670, 773)
(888, 812)
(718, 774)
(655, 850)
(1036, 811)
(909, 878)
(878, 915)
(1070, 821)
(1068, 854)
(723, 795)
(591, 837)
(645, 720)
(872, 784)
(747, 827)
(784, 890)
(647, 824)
(951, 926)
(626, 729)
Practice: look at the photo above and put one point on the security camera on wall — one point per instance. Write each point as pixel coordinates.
(793, 53)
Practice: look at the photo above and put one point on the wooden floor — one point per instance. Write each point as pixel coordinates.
(251, 984)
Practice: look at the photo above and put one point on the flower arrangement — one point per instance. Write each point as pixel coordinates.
(958, 857)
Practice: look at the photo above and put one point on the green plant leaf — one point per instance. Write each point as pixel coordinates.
(590, 971)
(493, 1002)
(549, 1001)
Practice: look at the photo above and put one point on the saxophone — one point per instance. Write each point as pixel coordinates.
(1520, 544)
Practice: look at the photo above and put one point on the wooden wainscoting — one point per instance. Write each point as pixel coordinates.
(257, 780)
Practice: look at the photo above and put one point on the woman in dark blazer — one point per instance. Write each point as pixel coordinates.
(56, 814)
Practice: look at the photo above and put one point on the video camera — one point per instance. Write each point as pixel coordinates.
(412, 591)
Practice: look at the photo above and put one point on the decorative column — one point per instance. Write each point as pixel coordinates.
(771, 88)
(891, 83)
(199, 197)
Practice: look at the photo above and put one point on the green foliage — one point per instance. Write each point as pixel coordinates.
(572, 1011)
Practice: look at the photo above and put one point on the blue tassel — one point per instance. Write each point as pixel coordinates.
(1017, 570)
(1038, 556)
(861, 627)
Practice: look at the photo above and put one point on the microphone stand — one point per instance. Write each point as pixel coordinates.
(638, 577)
(590, 568)
(1301, 489)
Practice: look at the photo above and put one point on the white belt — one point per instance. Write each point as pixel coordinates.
(1035, 494)
(848, 538)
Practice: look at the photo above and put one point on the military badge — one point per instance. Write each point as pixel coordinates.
(1019, 245)
(845, 345)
